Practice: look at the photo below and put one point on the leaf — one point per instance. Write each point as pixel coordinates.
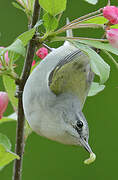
(6, 119)
(11, 89)
(115, 26)
(53, 7)
(95, 88)
(50, 22)
(16, 5)
(16, 47)
(26, 36)
(98, 65)
(5, 141)
(28, 130)
(92, 1)
(97, 20)
(111, 57)
(6, 156)
(15, 50)
(11, 117)
(100, 45)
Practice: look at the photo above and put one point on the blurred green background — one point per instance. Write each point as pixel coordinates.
(47, 160)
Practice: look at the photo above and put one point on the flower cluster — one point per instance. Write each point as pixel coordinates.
(111, 13)
(41, 53)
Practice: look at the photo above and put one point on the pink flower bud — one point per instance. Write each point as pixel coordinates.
(112, 36)
(33, 63)
(42, 52)
(111, 13)
(3, 102)
(6, 56)
(21, 2)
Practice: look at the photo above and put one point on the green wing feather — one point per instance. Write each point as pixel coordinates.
(73, 75)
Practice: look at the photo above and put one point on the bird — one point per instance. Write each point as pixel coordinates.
(54, 96)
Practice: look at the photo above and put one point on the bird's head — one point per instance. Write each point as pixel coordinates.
(74, 122)
(77, 127)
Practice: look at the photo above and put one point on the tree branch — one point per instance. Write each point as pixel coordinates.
(21, 119)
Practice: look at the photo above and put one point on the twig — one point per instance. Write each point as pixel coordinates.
(80, 20)
(21, 119)
(86, 25)
(59, 17)
(61, 38)
(85, 17)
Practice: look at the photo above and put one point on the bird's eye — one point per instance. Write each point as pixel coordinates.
(79, 124)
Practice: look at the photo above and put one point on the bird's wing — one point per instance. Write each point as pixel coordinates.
(73, 75)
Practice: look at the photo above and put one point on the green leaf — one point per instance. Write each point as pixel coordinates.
(15, 50)
(98, 65)
(115, 26)
(92, 1)
(95, 88)
(16, 47)
(6, 119)
(5, 141)
(16, 5)
(28, 130)
(26, 36)
(100, 45)
(6, 156)
(111, 57)
(12, 117)
(11, 89)
(50, 22)
(53, 7)
(97, 20)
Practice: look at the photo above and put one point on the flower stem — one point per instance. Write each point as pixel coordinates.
(80, 20)
(86, 25)
(60, 38)
(85, 16)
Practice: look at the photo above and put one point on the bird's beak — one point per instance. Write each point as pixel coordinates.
(85, 144)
